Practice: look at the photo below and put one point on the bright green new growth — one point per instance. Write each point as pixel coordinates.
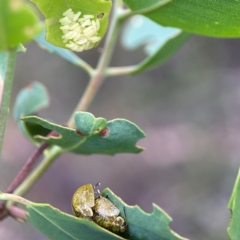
(18, 23)
(92, 135)
(54, 11)
(234, 207)
(217, 18)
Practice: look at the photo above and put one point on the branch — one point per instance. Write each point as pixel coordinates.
(26, 168)
(28, 165)
(83, 104)
(22, 174)
(87, 67)
(53, 153)
(128, 13)
(97, 79)
(17, 213)
(120, 71)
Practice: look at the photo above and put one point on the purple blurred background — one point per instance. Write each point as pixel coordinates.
(190, 110)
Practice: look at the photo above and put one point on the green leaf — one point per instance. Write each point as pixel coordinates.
(61, 226)
(160, 42)
(67, 55)
(93, 135)
(206, 17)
(29, 101)
(234, 207)
(7, 66)
(57, 225)
(53, 12)
(18, 23)
(21, 48)
(142, 225)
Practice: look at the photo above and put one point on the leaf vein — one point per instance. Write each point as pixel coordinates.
(52, 222)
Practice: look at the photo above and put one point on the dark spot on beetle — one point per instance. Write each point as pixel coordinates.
(104, 132)
(100, 15)
(79, 133)
(97, 214)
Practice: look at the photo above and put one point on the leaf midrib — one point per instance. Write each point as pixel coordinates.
(53, 223)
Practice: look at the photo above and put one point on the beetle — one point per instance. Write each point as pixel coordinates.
(106, 214)
(100, 210)
(83, 201)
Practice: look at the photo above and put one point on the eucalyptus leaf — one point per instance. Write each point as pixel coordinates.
(206, 17)
(57, 225)
(61, 226)
(19, 23)
(234, 207)
(92, 135)
(142, 225)
(67, 55)
(30, 100)
(7, 67)
(160, 43)
(53, 12)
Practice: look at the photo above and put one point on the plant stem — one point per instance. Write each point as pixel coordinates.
(26, 168)
(98, 76)
(13, 197)
(128, 13)
(84, 65)
(119, 71)
(7, 66)
(83, 104)
(17, 213)
(29, 164)
(53, 153)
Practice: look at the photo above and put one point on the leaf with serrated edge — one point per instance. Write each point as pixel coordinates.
(57, 225)
(206, 17)
(142, 225)
(121, 135)
(53, 12)
(234, 207)
(18, 23)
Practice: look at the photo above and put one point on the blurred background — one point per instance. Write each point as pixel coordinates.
(189, 109)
